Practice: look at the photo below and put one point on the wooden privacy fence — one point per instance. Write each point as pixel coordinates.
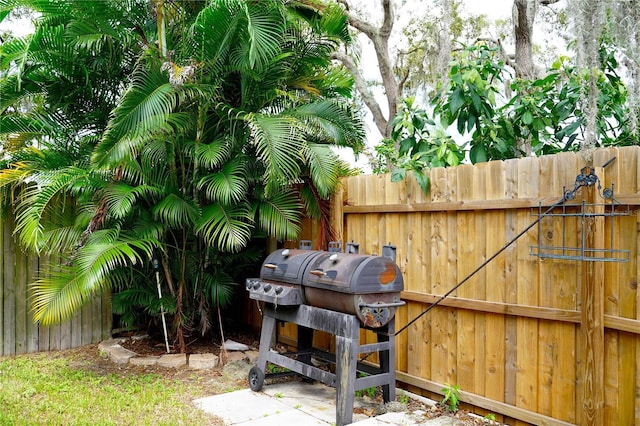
(531, 339)
(18, 333)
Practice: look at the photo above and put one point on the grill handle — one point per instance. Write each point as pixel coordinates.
(318, 273)
(381, 305)
(270, 266)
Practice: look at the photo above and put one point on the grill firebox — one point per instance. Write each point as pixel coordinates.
(338, 293)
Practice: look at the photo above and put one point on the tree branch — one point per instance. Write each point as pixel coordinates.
(363, 88)
(361, 25)
(387, 23)
(380, 39)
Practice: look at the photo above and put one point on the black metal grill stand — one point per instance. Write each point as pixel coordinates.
(346, 329)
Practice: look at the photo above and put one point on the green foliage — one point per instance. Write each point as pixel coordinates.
(470, 101)
(550, 112)
(194, 156)
(451, 397)
(274, 369)
(489, 418)
(416, 145)
(547, 114)
(542, 116)
(370, 391)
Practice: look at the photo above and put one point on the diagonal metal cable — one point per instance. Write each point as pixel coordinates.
(586, 177)
(483, 264)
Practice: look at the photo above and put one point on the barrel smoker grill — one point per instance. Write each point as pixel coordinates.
(338, 293)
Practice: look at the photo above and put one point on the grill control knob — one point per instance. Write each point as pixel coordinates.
(267, 288)
(256, 285)
(279, 290)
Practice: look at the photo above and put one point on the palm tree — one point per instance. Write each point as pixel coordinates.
(216, 116)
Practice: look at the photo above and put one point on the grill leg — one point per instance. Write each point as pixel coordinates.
(388, 390)
(266, 337)
(346, 363)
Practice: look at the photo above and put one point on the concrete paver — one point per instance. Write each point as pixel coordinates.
(294, 403)
(246, 407)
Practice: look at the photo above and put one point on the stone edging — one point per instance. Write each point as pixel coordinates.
(121, 355)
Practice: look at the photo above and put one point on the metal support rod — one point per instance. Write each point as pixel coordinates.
(156, 267)
(164, 321)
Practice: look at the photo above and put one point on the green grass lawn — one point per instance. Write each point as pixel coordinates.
(54, 389)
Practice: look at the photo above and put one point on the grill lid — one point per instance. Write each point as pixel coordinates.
(354, 273)
(287, 265)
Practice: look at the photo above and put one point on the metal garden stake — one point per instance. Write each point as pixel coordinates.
(156, 267)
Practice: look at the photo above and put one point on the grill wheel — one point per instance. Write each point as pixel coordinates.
(256, 379)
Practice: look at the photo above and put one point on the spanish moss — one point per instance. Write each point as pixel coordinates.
(589, 19)
(625, 23)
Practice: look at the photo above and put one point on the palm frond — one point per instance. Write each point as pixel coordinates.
(16, 174)
(211, 155)
(142, 296)
(39, 198)
(323, 165)
(310, 200)
(279, 215)
(176, 212)
(14, 54)
(337, 81)
(27, 126)
(330, 122)
(332, 22)
(278, 146)
(154, 162)
(107, 250)
(219, 287)
(146, 108)
(214, 33)
(227, 186)
(245, 35)
(265, 28)
(147, 228)
(121, 198)
(59, 239)
(227, 228)
(58, 296)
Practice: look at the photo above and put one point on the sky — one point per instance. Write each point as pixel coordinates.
(495, 9)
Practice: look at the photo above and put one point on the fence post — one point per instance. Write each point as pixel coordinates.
(592, 313)
(337, 213)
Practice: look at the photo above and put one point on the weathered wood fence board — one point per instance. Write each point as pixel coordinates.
(540, 341)
(18, 332)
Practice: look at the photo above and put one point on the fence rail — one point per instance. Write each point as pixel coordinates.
(534, 340)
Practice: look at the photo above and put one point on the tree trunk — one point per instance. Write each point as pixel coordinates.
(524, 13)
(379, 36)
(444, 43)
